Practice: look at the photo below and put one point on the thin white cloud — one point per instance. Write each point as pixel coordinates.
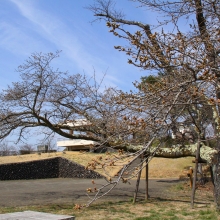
(12, 39)
(64, 38)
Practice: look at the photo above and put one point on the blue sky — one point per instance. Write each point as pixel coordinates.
(29, 26)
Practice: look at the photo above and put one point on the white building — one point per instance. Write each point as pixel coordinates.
(77, 144)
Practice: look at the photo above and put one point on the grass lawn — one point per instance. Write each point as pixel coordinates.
(153, 209)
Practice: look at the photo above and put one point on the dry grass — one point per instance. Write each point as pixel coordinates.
(158, 167)
(153, 209)
(168, 168)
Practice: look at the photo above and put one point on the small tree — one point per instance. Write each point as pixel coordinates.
(49, 141)
(26, 149)
(6, 149)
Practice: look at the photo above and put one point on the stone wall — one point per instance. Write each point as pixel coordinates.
(48, 168)
(68, 169)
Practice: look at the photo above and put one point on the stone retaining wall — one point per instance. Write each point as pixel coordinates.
(68, 169)
(48, 168)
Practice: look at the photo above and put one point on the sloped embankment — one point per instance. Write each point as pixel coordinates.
(57, 167)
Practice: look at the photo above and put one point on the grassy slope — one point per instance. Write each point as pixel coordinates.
(158, 167)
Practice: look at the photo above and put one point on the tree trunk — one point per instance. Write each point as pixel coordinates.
(216, 179)
(206, 153)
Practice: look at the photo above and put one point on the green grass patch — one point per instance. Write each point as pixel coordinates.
(179, 186)
(208, 214)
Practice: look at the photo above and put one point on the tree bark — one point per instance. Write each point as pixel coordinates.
(207, 154)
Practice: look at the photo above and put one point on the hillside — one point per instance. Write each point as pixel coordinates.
(158, 167)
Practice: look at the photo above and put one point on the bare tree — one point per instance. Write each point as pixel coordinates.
(49, 141)
(26, 149)
(6, 149)
(187, 90)
(54, 100)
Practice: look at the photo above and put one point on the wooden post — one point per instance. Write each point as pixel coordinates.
(137, 187)
(146, 180)
(195, 173)
(190, 175)
(138, 182)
